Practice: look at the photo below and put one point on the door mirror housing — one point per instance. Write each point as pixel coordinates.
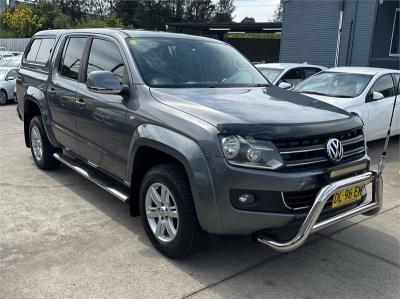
(104, 82)
(285, 85)
(375, 96)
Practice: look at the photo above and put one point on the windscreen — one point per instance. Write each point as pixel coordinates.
(334, 84)
(270, 73)
(11, 62)
(178, 62)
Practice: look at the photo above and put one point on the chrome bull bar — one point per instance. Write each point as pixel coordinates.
(310, 224)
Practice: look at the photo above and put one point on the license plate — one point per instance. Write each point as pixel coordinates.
(348, 196)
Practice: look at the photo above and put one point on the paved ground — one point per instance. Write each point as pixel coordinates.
(61, 236)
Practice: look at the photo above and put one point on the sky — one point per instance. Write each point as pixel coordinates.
(260, 10)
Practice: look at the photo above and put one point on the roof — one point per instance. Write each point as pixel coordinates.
(362, 70)
(125, 32)
(286, 65)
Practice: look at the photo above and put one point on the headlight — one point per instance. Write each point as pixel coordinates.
(248, 152)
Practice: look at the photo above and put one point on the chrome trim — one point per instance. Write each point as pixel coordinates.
(306, 163)
(353, 140)
(353, 152)
(310, 224)
(292, 209)
(303, 151)
(107, 187)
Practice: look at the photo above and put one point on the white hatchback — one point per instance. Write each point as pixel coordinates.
(368, 92)
(286, 75)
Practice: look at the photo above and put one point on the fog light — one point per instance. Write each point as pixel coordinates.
(247, 199)
(254, 154)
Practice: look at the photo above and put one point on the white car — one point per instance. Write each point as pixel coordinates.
(8, 77)
(368, 92)
(286, 75)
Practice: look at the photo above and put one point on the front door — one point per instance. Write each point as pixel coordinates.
(379, 111)
(62, 92)
(102, 119)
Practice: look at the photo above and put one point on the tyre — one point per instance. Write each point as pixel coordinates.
(167, 211)
(3, 97)
(42, 150)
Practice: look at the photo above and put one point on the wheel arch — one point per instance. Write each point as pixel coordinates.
(151, 144)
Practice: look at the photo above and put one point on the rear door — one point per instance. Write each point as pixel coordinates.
(379, 111)
(102, 119)
(62, 91)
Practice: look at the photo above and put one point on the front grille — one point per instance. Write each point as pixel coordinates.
(310, 152)
(301, 200)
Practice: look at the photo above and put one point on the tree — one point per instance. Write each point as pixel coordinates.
(248, 20)
(76, 9)
(199, 11)
(127, 11)
(22, 21)
(224, 11)
(48, 11)
(278, 14)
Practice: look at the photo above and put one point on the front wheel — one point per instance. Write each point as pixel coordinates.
(42, 150)
(167, 210)
(3, 97)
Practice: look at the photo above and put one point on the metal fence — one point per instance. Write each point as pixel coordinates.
(14, 44)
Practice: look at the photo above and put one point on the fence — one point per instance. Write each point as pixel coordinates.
(257, 49)
(14, 44)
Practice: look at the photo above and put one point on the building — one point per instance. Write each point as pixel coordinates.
(257, 41)
(341, 32)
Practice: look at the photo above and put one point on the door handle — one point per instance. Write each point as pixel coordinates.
(81, 103)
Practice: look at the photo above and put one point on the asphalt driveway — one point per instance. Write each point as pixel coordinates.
(62, 236)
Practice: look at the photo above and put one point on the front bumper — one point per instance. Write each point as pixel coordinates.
(310, 224)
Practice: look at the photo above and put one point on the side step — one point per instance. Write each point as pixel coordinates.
(117, 189)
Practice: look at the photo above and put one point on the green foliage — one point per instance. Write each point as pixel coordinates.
(248, 20)
(22, 21)
(111, 21)
(224, 11)
(254, 35)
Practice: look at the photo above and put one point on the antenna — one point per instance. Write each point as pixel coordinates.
(385, 147)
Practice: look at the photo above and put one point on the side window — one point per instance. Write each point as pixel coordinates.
(33, 50)
(45, 50)
(384, 85)
(293, 77)
(72, 56)
(308, 72)
(40, 50)
(105, 56)
(396, 82)
(12, 75)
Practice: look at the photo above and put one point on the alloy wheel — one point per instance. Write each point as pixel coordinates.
(161, 212)
(37, 144)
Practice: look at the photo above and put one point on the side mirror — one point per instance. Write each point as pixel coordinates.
(10, 78)
(105, 83)
(285, 85)
(377, 96)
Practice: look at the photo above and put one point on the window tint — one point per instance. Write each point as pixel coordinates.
(309, 72)
(384, 85)
(33, 50)
(13, 74)
(45, 50)
(105, 56)
(396, 82)
(72, 57)
(293, 76)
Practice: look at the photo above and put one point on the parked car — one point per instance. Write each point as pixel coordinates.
(192, 136)
(287, 75)
(367, 92)
(6, 54)
(11, 62)
(8, 77)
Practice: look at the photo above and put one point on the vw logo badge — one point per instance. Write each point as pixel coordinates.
(334, 149)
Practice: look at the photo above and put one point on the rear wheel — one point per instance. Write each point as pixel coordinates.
(3, 97)
(168, 212)
(42, 150)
